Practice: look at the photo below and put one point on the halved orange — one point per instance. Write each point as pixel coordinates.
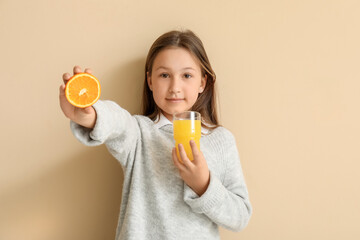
(82, 90)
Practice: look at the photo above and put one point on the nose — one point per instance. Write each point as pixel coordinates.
(174, 85)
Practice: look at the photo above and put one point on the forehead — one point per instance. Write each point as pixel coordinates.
(176, 58)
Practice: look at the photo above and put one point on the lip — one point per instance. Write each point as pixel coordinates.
(175, 99)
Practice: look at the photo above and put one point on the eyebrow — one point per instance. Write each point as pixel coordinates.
(166, 68)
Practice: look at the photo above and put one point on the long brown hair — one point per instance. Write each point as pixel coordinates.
(206, 102)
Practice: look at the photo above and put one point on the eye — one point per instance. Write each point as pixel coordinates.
(186, 75)
(164, 75)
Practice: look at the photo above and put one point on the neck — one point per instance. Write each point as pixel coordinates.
(168, 116)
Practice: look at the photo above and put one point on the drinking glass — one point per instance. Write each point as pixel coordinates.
(187, 126)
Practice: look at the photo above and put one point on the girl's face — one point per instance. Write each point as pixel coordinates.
(175, 81)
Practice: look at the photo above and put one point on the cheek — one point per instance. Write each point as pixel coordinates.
(158, 90)
(192, 96)
(158, 95)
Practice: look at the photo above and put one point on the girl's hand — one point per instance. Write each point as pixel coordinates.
(84, 116)
(194, 173)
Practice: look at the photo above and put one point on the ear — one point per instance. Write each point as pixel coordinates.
(203, 84)
(149, 82)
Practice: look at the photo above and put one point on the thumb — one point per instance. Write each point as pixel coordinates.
(88, 110)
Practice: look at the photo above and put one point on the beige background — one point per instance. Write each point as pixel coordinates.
(288, 81)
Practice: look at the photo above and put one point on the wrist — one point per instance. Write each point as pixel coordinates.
(92, 122)
(201, 189)
(88, 121)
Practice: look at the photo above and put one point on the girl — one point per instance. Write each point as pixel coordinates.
(164, 198)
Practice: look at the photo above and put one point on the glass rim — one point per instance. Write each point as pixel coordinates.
(188, 115)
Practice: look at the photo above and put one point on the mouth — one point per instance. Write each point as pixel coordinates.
(174, 99)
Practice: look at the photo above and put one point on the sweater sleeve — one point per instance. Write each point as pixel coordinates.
(225, 202)
(114, 126)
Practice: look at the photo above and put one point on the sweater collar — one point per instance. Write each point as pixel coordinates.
(163, 121)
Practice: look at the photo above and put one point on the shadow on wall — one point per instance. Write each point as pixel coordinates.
(124, 85)
(77, 200)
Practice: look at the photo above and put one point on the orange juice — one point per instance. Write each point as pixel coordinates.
(184, 131)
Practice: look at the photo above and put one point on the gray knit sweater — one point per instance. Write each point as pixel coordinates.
(156, 203)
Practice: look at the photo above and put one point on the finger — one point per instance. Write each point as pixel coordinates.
(184, 157)
(176, 161)
(195, 150)
(62, 89)
(77, 69)
(88, 70)
(88, 109)
(66, 77)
